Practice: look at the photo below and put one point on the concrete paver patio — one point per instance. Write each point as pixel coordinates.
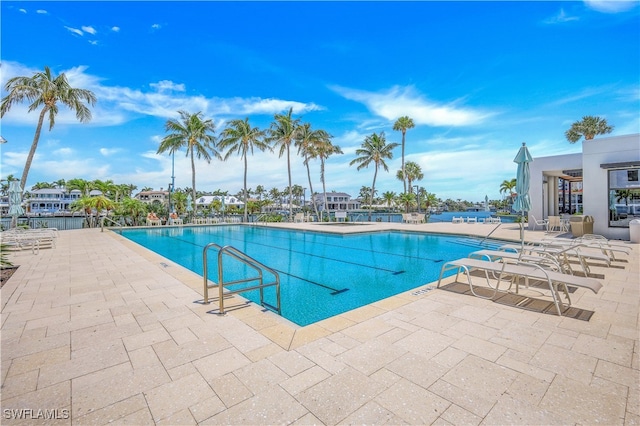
(99, 330)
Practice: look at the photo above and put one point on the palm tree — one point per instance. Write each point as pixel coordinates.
(44, 90)
(589, 127)
(134, 208)
(323, 150)
(375, 149)
(84, 186)
(239, 137)
(42, 185)
(307, 141)
(389, 198)
(408, 199)
(412, 172)
(282, 133)
(403, 124)
(196, 135)
(507, 186)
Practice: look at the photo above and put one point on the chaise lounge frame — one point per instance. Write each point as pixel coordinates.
(521, 269)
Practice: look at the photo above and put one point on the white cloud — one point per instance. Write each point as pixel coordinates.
(399, 101)
(117, 105)
(115, 29)
(41, 11)
(560, 18)
(611, 6)
(23, 10)
(75, 31)
(166, 85)
(88, 29)
(107, 152)
(156, 26)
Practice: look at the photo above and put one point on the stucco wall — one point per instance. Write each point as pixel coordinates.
(603, 150)
(599, 151)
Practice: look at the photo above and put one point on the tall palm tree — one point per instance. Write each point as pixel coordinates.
(375, 149)
(323, 150)
(282, 133)
(403, 124)
(195, 134)
(239, 137)
(589, 127)
(307, 140)
(46, 91)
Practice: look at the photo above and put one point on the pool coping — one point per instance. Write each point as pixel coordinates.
(278, 329)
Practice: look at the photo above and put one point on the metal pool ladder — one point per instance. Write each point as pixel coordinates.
(250, 262)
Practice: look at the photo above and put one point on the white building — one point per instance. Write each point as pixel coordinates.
(154, 197)
(53, 201)
(607, 168)
(229, 200)
(336, 201)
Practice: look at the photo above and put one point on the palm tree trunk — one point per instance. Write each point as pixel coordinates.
(315, 207)
(32, 151)
(404, 176)
(324, 188)
(193, 181)
(246, 216)
(290, 187)
(373, 191)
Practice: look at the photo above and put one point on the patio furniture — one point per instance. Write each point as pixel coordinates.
(341, 216)
(554, 280)
(535, 222)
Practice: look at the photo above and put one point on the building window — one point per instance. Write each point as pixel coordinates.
(624, 197)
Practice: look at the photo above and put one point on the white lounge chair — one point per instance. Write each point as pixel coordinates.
(524, 270)
(541, 223)
(457, 219)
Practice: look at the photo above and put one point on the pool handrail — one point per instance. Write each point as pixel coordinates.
(250, 262)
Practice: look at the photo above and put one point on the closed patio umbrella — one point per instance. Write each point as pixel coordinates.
(15, 202)
(522, 202)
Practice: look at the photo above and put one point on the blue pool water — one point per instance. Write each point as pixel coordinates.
(321, 274)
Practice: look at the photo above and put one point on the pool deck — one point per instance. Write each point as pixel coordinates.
(100, 330)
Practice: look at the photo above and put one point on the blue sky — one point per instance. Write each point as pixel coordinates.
(478, 78)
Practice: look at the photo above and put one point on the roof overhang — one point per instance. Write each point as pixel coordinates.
(622, 165)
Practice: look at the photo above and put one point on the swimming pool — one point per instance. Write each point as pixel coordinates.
(322, 274)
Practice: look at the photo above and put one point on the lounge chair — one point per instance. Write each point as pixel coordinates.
(457, 219)
(298, 218)
(472, 220)
(562, 253)
(535, 222)
(524, 270)
(341, 216)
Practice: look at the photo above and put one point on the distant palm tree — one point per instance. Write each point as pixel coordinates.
(42, 185)
(403, 124)
(507, 186)
(325, 149)
(193, 133)
(375, 149)
(589, 127)
(412, 172)
(239, 137)
(407, 199)
(389, 198)
(282, 133)
(307, 141)
(84, 186)
(44, 90)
